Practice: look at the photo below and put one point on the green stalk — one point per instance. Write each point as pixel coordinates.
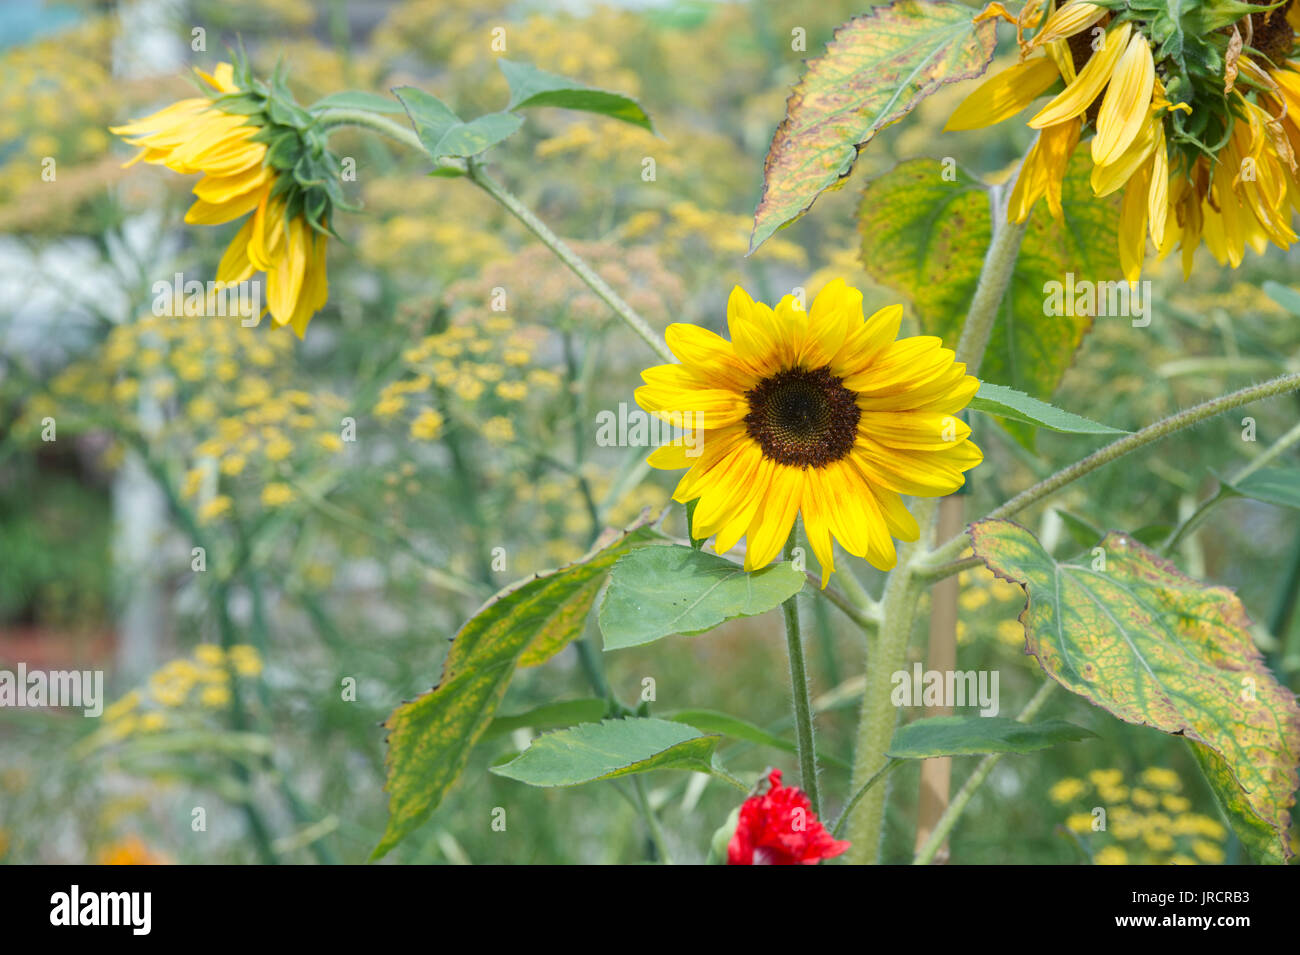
(803, 714)
(479, 176)
(952, 549)
(903, 589)
(886, 655)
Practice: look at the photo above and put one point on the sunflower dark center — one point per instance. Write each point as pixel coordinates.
(1271, 34)
(803, 418)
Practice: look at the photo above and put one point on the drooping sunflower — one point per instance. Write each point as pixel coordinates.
(1176, 104)
(259, 156)
(822, 413)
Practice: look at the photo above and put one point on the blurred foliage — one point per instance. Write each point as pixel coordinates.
(351, 555)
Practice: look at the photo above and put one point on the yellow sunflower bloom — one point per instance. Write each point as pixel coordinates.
(822, 413)
(258, 157)
(1227, 176)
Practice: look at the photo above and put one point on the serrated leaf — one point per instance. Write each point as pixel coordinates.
(1156, 648)
(875, 70)
(608, 750)
(667, 590)
(1280, 486)
(531, 87)
(712, 721)
(548, 716)
(927, 237)
(430, 737)
(1008, 403)
(357, 99)
(973, 735)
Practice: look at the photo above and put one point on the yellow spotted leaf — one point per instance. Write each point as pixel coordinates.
(1128, 632)
(875, 70)
(430, 737)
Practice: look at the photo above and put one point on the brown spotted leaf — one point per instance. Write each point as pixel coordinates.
(430, 737)
(1156, 648)
(875, 70)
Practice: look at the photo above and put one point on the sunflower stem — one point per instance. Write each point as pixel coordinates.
(995, 277)
(952, 549)
(474, 170)
(886, 656)
(803, 712)
(479, 176)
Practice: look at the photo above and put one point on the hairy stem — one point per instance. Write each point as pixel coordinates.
(951, 549)
(886, 654)
(803, 714)
(479, 176)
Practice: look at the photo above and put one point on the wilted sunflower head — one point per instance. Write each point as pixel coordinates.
(1188, 109)
(258, 152)
(817, 411)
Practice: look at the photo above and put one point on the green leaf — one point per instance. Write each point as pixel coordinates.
(660, 591)
(430, 116)
(1280, 486)
(478, 135)
(972, 735)
(608, 750)
(1156, 648)
(357, 99)
(548, 716)
(927, 236)
(875, 70)
(1284, 295)
(712, 721)
(1008, 403)
(1082, 531)
(530, 87)
(696, 542)
(430, 737)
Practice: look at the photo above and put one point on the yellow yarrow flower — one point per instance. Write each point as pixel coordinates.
(822, 413)
(275, 171)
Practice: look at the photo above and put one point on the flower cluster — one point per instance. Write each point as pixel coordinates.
(181, 694)
(222, 402)
(1147, 823)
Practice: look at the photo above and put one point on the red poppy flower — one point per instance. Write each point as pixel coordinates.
(779, 828)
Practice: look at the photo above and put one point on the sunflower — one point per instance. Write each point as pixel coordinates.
(259, 157)
(821, 413)
(1186, 123)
